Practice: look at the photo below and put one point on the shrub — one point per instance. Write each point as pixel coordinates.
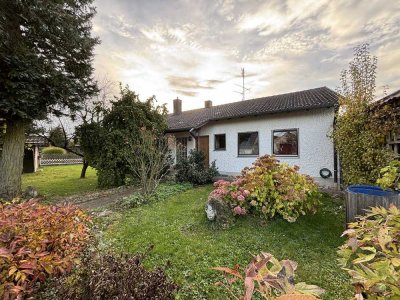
(162, 192)
(270, 278)
(53, 150)
(193, 170)
(361, 125)
(390, 176)
(111, 144)
(36, 242)
(371, 254)
(269, 189)
(108, 276)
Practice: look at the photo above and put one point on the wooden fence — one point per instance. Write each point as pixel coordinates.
(60, 159)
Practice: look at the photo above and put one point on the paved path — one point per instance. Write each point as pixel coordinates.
(98, 199)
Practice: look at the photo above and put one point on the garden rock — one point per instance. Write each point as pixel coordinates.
(30, 192)
(219, 213)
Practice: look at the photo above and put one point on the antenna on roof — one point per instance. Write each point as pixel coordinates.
(244, 89)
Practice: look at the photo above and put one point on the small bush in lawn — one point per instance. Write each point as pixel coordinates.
(162, 192)
(110, 276)
(37, 242)
(53, 150)
(269, 188)
(193, 170)
(371, 254)
(270, 278)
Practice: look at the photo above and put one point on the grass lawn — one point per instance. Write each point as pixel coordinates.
(182, 235)
(53, 181)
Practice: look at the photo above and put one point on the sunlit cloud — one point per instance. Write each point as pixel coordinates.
(195, 50)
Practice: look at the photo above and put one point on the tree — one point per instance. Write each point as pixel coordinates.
(46, 51)
(361, 125)
(111, 144)
(57, 137)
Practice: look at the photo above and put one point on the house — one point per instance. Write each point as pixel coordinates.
(294, 126)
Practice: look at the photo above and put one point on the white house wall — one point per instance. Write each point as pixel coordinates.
(315, 147)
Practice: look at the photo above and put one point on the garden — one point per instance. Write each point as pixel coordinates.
(160, 230)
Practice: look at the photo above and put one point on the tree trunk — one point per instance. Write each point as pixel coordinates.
(12, 157)
(84, 168)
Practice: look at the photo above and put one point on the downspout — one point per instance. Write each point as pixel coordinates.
(335, 155)
(191, 132)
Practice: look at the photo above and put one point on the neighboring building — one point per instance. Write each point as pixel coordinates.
(393, 139)
(294, 126)
(31, 152)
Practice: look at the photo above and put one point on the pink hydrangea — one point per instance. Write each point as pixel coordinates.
(221, 183)
(241, 198)
(246, 193)
(239, 210)
(218, 193)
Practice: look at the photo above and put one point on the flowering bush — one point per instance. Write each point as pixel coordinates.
(36, 242)
(269, 188)
(371, 254)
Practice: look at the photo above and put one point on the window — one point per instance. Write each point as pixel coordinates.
(181, 148)
(248, 143)
(220, 142)
(286, 142)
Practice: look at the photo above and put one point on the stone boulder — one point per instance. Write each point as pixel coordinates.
(219, 212)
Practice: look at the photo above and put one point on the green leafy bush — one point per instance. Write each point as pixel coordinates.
(269, 188)
(53, 150)
(162, 192)
(115, 145)
(110, 276)
(390, 176)
(37, 242)
(269, 277)
(193, 170)
(371, 254)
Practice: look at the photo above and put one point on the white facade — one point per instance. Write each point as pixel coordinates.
(315, 148)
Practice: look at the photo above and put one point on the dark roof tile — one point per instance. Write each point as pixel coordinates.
(322, 97)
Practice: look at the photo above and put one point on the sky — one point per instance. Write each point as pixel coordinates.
(195, 49)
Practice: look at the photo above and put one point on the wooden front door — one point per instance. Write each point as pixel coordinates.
(204, 147)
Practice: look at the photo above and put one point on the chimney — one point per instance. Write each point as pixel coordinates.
(177, 106)
(207, 104)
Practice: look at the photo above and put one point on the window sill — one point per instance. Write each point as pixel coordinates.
(220, 149)
(248, 155)
(287, 156)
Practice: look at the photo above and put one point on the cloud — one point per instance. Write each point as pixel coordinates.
(186, 93)
(191, 82)
(196, 49)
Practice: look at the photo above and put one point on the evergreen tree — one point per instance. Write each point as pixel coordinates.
(46, 51)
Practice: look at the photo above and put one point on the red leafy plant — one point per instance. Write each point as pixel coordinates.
(36, 242)
(271, 278)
